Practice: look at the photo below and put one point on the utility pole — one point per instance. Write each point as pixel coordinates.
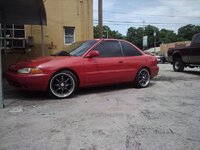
(100, 27)
(143, 35)
(1, 80)
(154, 34)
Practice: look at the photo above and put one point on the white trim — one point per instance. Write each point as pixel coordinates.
(64, 27)
(13, 37)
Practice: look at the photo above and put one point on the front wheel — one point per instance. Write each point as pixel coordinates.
(178, 65)
(142, 79)
(63, 84)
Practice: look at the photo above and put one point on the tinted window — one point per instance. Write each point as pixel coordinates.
(79, 48)
(129, 50)
(109, 49)
(76, 49)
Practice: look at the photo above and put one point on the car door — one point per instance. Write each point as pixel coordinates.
(108, 67)
(194, 55)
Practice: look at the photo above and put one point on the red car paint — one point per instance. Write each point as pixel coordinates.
(89, 71)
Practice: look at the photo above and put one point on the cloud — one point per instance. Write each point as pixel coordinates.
(154, 11)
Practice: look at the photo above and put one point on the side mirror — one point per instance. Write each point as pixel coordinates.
(92, 53)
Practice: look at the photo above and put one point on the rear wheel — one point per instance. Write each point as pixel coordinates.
(178, 65)
(63, 84)
(143, 78)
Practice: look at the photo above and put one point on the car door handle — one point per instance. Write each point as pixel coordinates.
(120, 62)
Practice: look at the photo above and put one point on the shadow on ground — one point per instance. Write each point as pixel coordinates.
(25, 95)
(42, 96)
(103, 89)
(192, 72)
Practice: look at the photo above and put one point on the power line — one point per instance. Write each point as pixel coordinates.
(136, 24)
(151, 15)
(139, 22)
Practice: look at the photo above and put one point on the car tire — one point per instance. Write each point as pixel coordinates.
(178, 65)
(142, 79)
(62, 84)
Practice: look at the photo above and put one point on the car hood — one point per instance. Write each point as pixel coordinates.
(40, 61)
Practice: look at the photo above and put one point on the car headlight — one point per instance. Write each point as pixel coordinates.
(24, 70)
(30, 71)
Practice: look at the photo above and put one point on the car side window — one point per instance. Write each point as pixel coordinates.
(109, 49)
(129, 50)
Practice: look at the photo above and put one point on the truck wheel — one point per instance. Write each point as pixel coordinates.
(178, 65)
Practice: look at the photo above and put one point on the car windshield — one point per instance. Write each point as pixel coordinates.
(76, 49)
(79, 48)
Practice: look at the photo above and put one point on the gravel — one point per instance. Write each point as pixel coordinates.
(166, 116)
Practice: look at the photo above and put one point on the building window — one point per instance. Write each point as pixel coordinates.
(12, 36)
(69, 37)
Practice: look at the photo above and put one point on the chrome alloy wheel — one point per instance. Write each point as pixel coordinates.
(143, 77)
(62, 85)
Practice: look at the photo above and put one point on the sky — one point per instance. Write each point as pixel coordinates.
(119, 15)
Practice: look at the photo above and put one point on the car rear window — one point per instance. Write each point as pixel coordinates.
(129, 50)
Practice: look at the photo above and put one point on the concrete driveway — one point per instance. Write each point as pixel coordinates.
(166, 116)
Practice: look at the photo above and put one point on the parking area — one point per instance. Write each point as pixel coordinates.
(166, 115)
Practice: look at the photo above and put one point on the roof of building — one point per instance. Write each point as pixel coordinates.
(22, 12)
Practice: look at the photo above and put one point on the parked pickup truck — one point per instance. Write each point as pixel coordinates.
(186, 56)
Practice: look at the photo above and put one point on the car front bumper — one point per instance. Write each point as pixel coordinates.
(37, 82)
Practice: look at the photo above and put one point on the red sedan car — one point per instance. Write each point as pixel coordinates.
(88, 63)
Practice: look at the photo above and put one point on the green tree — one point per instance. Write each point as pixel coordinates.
(131, 35)
(115, 34)
(107, 32)
(149, 31)
(186, 32)
(95, 30)
(135, 36)
(166, 36)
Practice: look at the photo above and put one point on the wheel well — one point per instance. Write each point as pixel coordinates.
(145, 67)
(176, 55)
(76, 75)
